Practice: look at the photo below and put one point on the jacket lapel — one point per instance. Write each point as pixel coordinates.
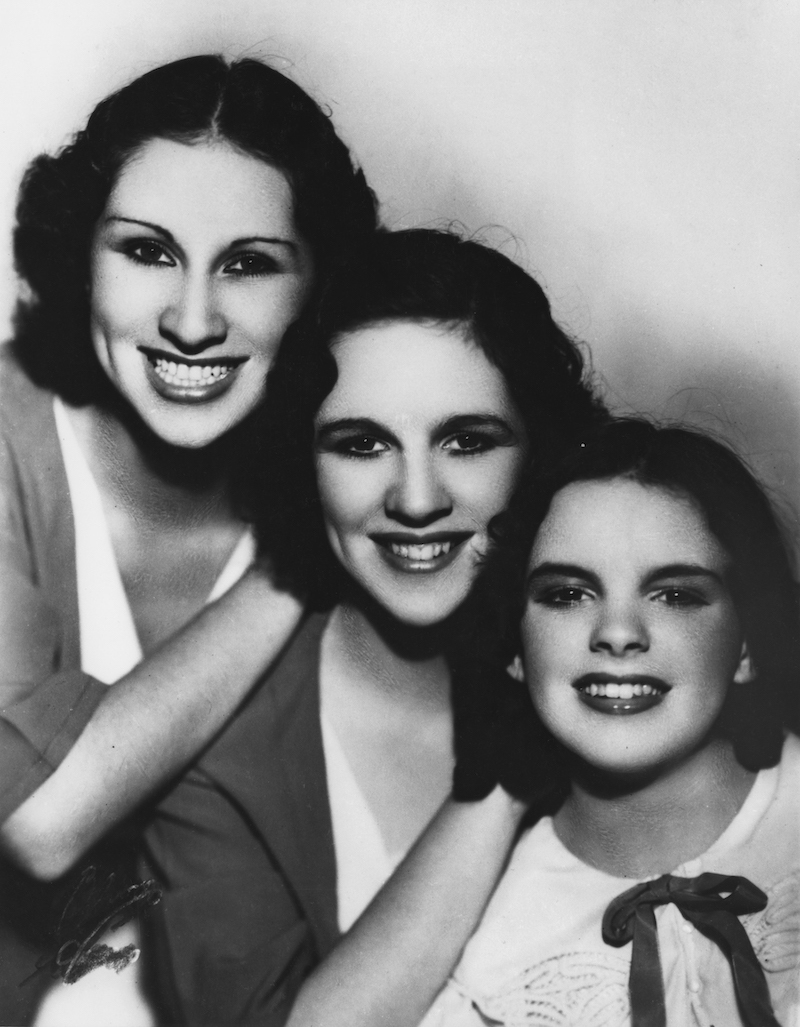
(271, 759)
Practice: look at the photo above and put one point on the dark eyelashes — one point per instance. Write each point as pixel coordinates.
(147, 252)
(151, 253)
(561, 597)
(567, 596)
(472, 444)
(253, 265)
(359, 446)
(677, 596)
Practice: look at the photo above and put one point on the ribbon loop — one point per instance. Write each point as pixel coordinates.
(713, 903)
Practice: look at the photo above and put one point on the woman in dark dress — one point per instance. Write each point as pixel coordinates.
(397, 423)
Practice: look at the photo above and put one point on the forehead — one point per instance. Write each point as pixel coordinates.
(622, 523)
(208, 182)
(412, 370)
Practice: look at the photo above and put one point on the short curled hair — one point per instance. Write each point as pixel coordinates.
(737, 512)
(245, 103)
(426, 276)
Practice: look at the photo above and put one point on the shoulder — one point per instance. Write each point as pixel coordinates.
(541, 936)
(31, 465)
(24, 406)
(281, 714)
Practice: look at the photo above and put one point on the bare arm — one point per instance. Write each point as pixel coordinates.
(388, 969)
(150, 724)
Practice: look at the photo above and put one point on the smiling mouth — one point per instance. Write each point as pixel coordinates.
(626, 690)
(189, 374)
(410, 553)
(428, 551)
(607, 693)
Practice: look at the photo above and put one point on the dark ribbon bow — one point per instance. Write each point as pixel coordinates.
(713, 903)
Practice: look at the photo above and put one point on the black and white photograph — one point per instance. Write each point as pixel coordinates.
(400, 513)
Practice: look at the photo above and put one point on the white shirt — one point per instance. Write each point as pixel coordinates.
(109, 650)
(538, 958)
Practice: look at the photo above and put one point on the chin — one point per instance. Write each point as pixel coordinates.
(189, 428)
(421, 615)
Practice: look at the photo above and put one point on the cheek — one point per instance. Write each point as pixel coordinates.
(553, 647)
(120, 304)
(347, 495)
(266, 315)
(486, 488)
(712, 646)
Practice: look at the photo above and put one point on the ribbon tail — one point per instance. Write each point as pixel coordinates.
(752, 993)
(648, 1006)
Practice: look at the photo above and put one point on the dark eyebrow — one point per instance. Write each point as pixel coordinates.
(670, 570)
(460, 422)
(353, 426)
(467, 422)
(145, 224)
(562, 570)
(683, 570)
(272, 240)
(246, 240)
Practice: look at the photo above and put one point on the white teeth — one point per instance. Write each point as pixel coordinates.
(429, 551)
(182, 374)
(612, 690)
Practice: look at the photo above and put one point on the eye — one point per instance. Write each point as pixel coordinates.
(361, 446)
(679, 597)
(148, 252)
(251, 265)
(468, 442)
(563, 596)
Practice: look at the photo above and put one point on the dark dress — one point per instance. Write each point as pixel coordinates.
(243, 848)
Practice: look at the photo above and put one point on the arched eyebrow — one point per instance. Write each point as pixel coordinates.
(500, 429)
(498, 426)
(166, 234)
(562, 570)
(683, 570)
(330, 432)
(670, 570)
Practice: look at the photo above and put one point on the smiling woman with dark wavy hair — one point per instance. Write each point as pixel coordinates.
(398, 419)
(165, 252)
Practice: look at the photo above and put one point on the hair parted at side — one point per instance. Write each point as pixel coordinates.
(737, 512)
(245, 103)
(421, 275)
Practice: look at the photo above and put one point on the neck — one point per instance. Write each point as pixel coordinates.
(646, 826)
(405, 663)
(141, 472)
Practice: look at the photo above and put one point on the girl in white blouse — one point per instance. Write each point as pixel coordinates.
(650, 610)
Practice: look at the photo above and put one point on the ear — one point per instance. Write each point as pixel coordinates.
(516, 670)
(746, 671)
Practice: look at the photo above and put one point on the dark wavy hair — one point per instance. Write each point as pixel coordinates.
(418, 275)
(246, 103)
(739, 515)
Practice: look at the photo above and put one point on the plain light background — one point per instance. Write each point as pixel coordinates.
(640, 157)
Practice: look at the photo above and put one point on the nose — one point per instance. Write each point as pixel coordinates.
(418, 496)
(192, 320)
(619, 630)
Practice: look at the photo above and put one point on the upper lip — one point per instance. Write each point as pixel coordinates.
(406, 538)
(598, 678)
(179, 358)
